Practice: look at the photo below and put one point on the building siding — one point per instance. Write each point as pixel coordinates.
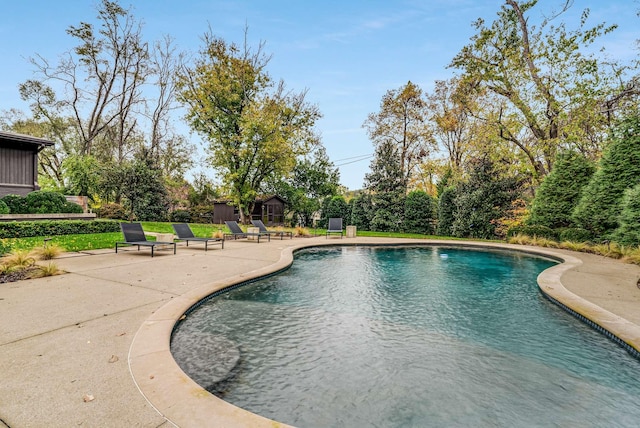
(16, 167)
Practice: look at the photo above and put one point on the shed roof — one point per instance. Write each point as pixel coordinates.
(12, 139)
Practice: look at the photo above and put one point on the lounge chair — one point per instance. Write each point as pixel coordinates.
(185, 234)
(237, 232)
(263, 229)
(335, 226)
(134, 235)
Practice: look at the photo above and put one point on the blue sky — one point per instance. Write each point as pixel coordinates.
(346, 53)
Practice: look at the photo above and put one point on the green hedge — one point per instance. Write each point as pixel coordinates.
(39, 202)
(575, 234)
(24, 229)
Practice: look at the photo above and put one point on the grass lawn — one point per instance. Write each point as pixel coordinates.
(96, 241)
(108, 240)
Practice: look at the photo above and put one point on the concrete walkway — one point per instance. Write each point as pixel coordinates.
(89, 348)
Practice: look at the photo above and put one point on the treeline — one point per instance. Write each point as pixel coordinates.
(580, 200)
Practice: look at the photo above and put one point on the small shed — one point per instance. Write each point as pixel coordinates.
(19, 162)
(269, 209)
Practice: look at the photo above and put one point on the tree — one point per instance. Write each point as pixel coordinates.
(83, 175)
(446, 211)
(553, 92)
(107, 97)
(454, 127)
(335, 207)
(361, 211)
(618, 170)
(402, 122)
(314, 179)
(112, 61)
(482, 200)
(559, 193)
(629, 231)
(386, 184)
(141, 185)
(256, 129)
(419, 213)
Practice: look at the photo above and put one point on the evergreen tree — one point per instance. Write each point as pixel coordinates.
(361, 211)
(559, 193)
(483, 200)
(146, 196)
(629, 231)
(419, 213)
(599, 207)
(446, 212)
(387, 186)
(335, 207)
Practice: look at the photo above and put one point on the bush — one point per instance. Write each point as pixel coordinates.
(112, 211)
(44, 202)
(575, 234)
(16, 204)
(361, 211)
(419, 213)
(533, 230)
(4, 209)
(4, 247)
(24, 229)
(181, 216)
(619, 169)
(446, 212)
(334, 207)
(629, 231)
(560, 191)
(201, 214)
(483, 199)
(71, 208)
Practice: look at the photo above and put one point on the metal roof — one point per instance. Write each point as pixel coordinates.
(20, 139)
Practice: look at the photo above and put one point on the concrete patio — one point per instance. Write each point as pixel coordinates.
(90, 347)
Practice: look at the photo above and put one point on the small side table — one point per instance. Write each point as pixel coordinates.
(351, 231)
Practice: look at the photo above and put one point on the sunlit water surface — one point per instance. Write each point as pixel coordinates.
(407, 337)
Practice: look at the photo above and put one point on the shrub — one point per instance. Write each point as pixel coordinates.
(334, 207)
(575, 234)
(446, 212)
(50, 269)
(16, 204)
(181, 216)
(619, 169)
(71, 208)
(112, 211)
(201, 214)
(483, 199)
(361, 211)
(574, 246)
(560, 191)
(629, 231)
(4, 208)
(533, 231)
(4, 247)
(301, 231)
(24, 229)
(44, 202)
(49, 252)
(419, 213)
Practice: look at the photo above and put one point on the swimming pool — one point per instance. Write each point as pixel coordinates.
(428, 336)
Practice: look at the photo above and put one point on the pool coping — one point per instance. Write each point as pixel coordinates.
(184, 403)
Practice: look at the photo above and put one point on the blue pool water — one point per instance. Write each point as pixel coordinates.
(407, 337)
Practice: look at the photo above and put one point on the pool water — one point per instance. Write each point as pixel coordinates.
(407, 337)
